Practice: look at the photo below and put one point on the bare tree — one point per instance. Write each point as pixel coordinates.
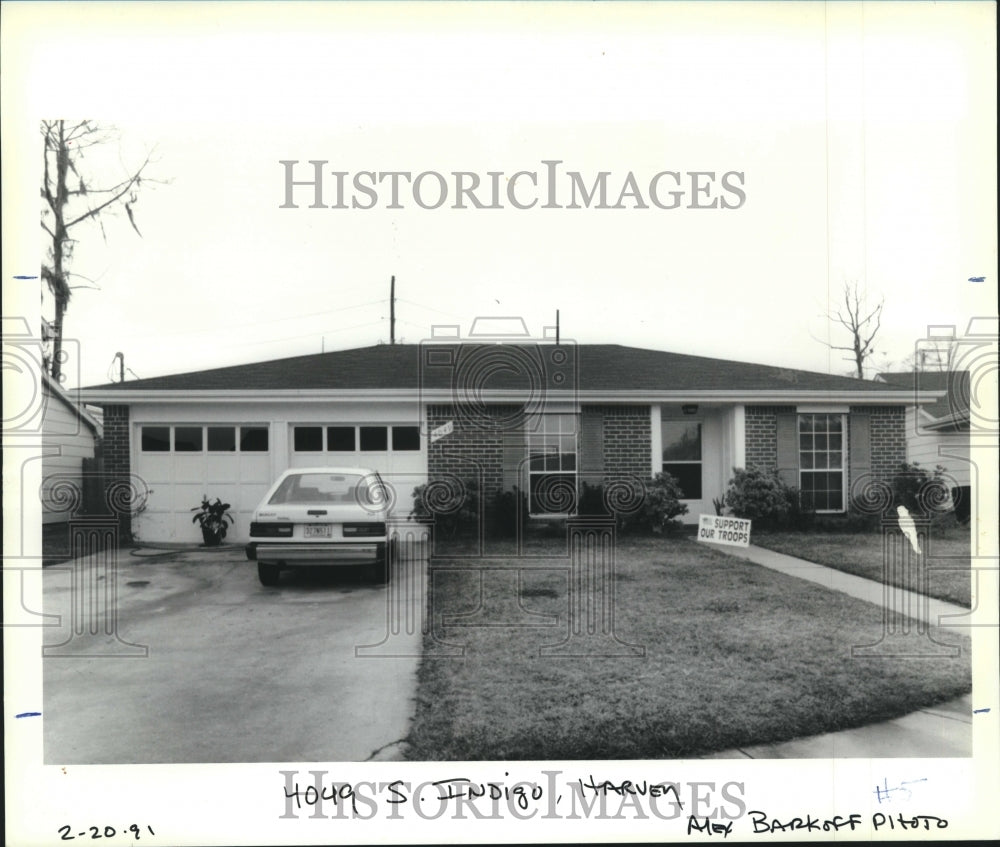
(72, 196)
(862, 322)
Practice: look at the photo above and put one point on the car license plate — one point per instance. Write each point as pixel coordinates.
(322, 530)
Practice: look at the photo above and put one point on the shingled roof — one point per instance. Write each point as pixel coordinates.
(599, 367)
(954, 405)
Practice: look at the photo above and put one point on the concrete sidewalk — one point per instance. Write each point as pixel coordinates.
(909, 603)
(941, 731)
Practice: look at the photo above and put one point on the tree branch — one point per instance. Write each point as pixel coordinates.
(96, 211)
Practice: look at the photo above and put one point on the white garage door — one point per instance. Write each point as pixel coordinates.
(184, 462)
(396, 451)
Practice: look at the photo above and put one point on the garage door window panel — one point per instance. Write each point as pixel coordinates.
(155, 439)
(374, 439)
(308, 439)
(405, 438)
(221, 439)
(340, 439)
(253, 439)
(187, 439)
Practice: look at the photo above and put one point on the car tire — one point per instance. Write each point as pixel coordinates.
(379, 572)
(268, 574)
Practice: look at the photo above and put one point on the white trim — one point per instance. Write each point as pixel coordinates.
(656, 439)
(821, 409)
(438, 396)
(739, 438)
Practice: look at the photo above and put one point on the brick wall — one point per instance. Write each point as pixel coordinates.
(475, 441)
(624, 440)
(116, 455)
(627, 441)
(761, 426)
(888, 438)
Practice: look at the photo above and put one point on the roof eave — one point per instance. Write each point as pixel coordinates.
(382, 395)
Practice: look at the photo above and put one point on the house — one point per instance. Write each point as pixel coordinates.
(70, 439)
(937, 433)
(544, 415)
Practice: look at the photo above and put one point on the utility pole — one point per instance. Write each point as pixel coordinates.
(392, 310)
(121, 366)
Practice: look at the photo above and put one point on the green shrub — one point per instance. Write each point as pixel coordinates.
(591, 500)
(762, 497)
(502, 513)
(451, 503)
(921, 491)
(661, 506)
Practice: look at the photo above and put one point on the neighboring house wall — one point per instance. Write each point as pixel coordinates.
(64, 430)
(930, 449)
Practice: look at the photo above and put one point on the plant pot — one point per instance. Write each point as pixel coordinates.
(212, 537)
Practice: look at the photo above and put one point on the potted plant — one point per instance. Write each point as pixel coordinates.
(214, 519)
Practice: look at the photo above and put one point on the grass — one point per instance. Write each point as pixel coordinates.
(735, 655)
(860, 553)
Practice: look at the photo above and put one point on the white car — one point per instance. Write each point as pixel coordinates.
(321, 517)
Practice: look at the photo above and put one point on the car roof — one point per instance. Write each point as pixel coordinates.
(331, 470)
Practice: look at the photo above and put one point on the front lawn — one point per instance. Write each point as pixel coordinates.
(735, 655)
(860, 553)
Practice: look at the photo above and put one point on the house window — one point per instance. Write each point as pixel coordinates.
(187, 439)
(374, 439)
(308, 439)
(222, 439)
(406, 438)
(552, 474)
(682, 455)
(156, 439)
(253, 439)
(340, 439)
(821, 462)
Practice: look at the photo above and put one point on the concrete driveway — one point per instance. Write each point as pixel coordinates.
(234, 671)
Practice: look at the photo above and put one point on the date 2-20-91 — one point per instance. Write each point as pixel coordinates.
(66, 832)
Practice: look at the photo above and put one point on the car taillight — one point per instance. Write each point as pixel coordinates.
(355, 530)
(270, 530)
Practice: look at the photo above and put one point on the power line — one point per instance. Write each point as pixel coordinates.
(428, 308)
(308, 335)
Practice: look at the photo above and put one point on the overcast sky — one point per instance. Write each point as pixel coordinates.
(865, 137)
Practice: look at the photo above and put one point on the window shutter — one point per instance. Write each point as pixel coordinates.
(514, 452)
(590, 446)
(788, 448)
(860, 446)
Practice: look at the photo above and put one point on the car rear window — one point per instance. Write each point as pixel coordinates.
(323, 488)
